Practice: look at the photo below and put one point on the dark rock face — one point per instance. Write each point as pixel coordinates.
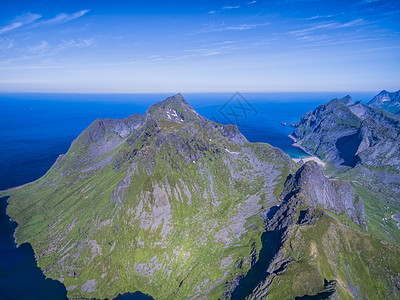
(232, 134)
(310, 184)
(347, 100)
(387, 101)
(348, 147)
(278, 226)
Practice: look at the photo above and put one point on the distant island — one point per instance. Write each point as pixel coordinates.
(176, 206)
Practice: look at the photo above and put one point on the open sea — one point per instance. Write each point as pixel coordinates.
(36, 128)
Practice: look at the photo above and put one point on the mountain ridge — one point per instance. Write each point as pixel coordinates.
(149, 197)
(387, 101)
(360, 144)
(176, 206)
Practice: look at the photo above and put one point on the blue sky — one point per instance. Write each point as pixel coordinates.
(202, 46)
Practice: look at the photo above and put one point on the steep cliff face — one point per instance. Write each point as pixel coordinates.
(167, 203)
(387, 101)
(337, 196)
(320, 258)
(361, 145)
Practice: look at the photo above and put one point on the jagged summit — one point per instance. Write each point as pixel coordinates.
(334, 195)
(173, 109)
(176, 99)
(387, 101)
(347, 100)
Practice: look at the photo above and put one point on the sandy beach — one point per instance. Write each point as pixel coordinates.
(309, 158)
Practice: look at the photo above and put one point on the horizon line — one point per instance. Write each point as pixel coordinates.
(189, 92)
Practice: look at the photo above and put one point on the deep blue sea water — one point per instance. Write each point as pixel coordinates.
(36, 128)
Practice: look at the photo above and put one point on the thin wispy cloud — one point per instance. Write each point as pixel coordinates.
(364, 2)
(44, 49)
(240, 27)
(383, 48)
(331, 25)
(41, 48)
(31, 18)
(261, 38)
(64, 17)
(231, 7)
(6, 44)
(329, 42)
(78, 43)
(212, 48)
(319, 17)
(294, 1)
(20, 21)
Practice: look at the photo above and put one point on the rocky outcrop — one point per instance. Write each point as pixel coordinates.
(309, 238)
(387, 101)
(337, 196)
(280, 224)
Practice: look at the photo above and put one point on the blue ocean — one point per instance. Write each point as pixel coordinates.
(36, 128)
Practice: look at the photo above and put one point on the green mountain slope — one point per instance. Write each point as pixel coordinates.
(173, 205)
(325, 255)
(167, 203)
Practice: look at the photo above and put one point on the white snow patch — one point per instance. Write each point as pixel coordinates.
(231, 152)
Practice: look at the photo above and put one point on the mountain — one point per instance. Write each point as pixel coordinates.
(321, 258)
(176, 206)
(387, 101)
(167, 203)
(360, 144)
(347, 133)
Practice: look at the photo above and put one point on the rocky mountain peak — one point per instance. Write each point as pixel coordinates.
(337, 196)
(347, 100)
(173, 109)
(387, 101)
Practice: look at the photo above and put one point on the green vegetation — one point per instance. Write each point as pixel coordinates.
(360, 264)
(170, 204)
(169, 210)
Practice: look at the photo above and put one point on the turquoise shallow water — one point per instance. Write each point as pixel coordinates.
(36, 128)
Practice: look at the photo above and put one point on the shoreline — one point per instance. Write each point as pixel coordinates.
(311, 157)
(296, 144)
(11, 220)
(15, 187)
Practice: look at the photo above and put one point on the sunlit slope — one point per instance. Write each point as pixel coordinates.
(167, 203)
